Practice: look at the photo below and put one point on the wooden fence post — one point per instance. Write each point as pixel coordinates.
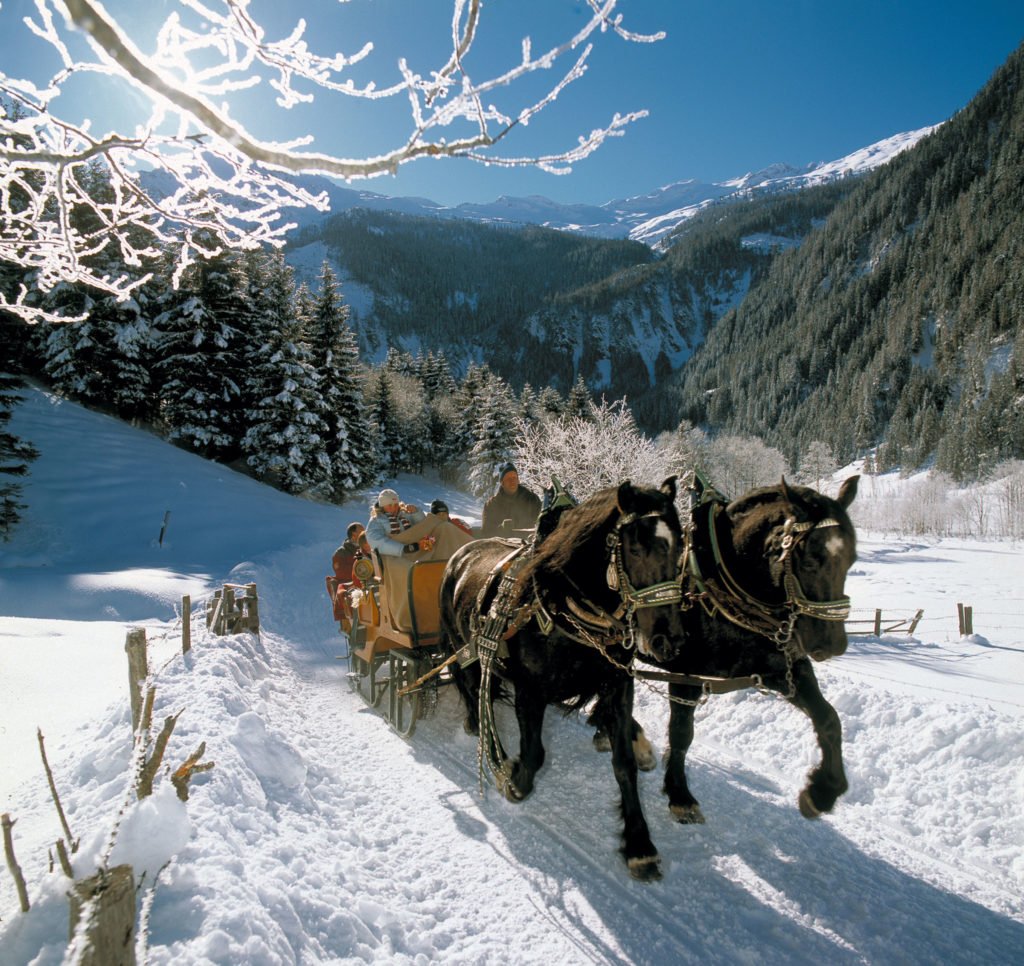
(138, 671)
(966, 617)
(109, 938)
(878, 622)
(915, 622)
(253, 606)
(186, 624)
(227, 612)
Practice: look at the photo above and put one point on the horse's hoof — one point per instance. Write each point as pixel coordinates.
(687, 814)
(643, 751)
(645, 869)
(807, 807)
(512, 792)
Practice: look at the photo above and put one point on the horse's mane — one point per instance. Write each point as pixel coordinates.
(577, 527)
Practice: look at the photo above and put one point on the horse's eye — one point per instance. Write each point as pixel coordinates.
(634, 551)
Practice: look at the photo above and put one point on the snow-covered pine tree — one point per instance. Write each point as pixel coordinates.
(198, 352)
(15, 455)
(335, 357)
(391, 435)
(285, 443)
(550, 402)
(494, 429)
(579, 404)
(102, 361)
(444, 420)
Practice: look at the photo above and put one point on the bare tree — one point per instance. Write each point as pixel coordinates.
(588, 453)
(220, 185)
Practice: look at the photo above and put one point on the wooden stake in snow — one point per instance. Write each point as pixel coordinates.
(107, 903)
(12, 863)
(138, 671)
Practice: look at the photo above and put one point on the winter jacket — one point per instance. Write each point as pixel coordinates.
(521, 508)
(378, 531)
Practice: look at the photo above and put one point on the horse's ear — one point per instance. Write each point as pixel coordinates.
(784, 489)
(669, 488)
(625, 497)
(848, 491)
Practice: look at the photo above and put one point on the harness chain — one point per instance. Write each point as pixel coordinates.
(488, 640)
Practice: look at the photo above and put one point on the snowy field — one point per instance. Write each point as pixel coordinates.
(321, 837)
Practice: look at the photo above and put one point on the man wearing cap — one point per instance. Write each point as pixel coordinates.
(514, 503)
(440, 508)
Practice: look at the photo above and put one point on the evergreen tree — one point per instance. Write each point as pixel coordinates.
(198, 367)
(335, 357)
(15, 456)
(579, 404)
(390, 435)
(494, 430)
(285, 442)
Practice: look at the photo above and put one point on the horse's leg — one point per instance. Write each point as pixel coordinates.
(467, 681)
(827, 781)
(637, 848)
(683, 806)
(646, 760)
(530, 715)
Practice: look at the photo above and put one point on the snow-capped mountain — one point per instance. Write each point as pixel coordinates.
(646, 218)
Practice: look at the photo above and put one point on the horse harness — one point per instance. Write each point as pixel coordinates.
(591, 625)
(707, 580)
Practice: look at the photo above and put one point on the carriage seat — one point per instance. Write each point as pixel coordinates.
(412, 594)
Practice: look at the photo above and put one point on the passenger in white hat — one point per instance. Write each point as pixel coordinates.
(388, 518)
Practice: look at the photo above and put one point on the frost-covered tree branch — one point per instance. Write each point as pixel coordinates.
(76, 207)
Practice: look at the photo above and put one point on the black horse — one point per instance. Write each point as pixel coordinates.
(560, 621)
(763, 596)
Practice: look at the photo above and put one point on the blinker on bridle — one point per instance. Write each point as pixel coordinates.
(796, 599)
(653, 595)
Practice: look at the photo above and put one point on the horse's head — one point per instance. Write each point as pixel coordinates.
(808, 545)
(646, 545)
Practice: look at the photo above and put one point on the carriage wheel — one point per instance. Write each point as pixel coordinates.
(403, 709)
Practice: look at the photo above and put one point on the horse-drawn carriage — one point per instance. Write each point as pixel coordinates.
(390, 648)
(744, 594)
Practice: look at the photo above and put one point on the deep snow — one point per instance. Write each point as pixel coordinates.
(320, 836)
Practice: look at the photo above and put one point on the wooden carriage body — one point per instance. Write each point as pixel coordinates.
(391, 644)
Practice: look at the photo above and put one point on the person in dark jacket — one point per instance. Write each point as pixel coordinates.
(514, 503)
(345, 556)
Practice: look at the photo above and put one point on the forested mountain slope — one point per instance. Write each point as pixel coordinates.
(543, 306)
(899, 322)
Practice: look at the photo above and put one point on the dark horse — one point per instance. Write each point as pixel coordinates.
(763, 596)
(560, 621)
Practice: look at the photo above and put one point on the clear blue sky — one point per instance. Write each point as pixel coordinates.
(735, 86)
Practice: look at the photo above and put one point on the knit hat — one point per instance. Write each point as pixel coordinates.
(438, 506)
(505, 469)
(387, 497)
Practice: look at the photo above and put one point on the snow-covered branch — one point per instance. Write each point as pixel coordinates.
(181, 169)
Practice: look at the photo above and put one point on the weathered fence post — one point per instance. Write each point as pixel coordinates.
(915, 622)
(109, 938)
(138, 671)
(12, 862)
(213, 608)
(878, 622)
(966, 616)
(227, 613)
(186, 624)
(253, 608)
